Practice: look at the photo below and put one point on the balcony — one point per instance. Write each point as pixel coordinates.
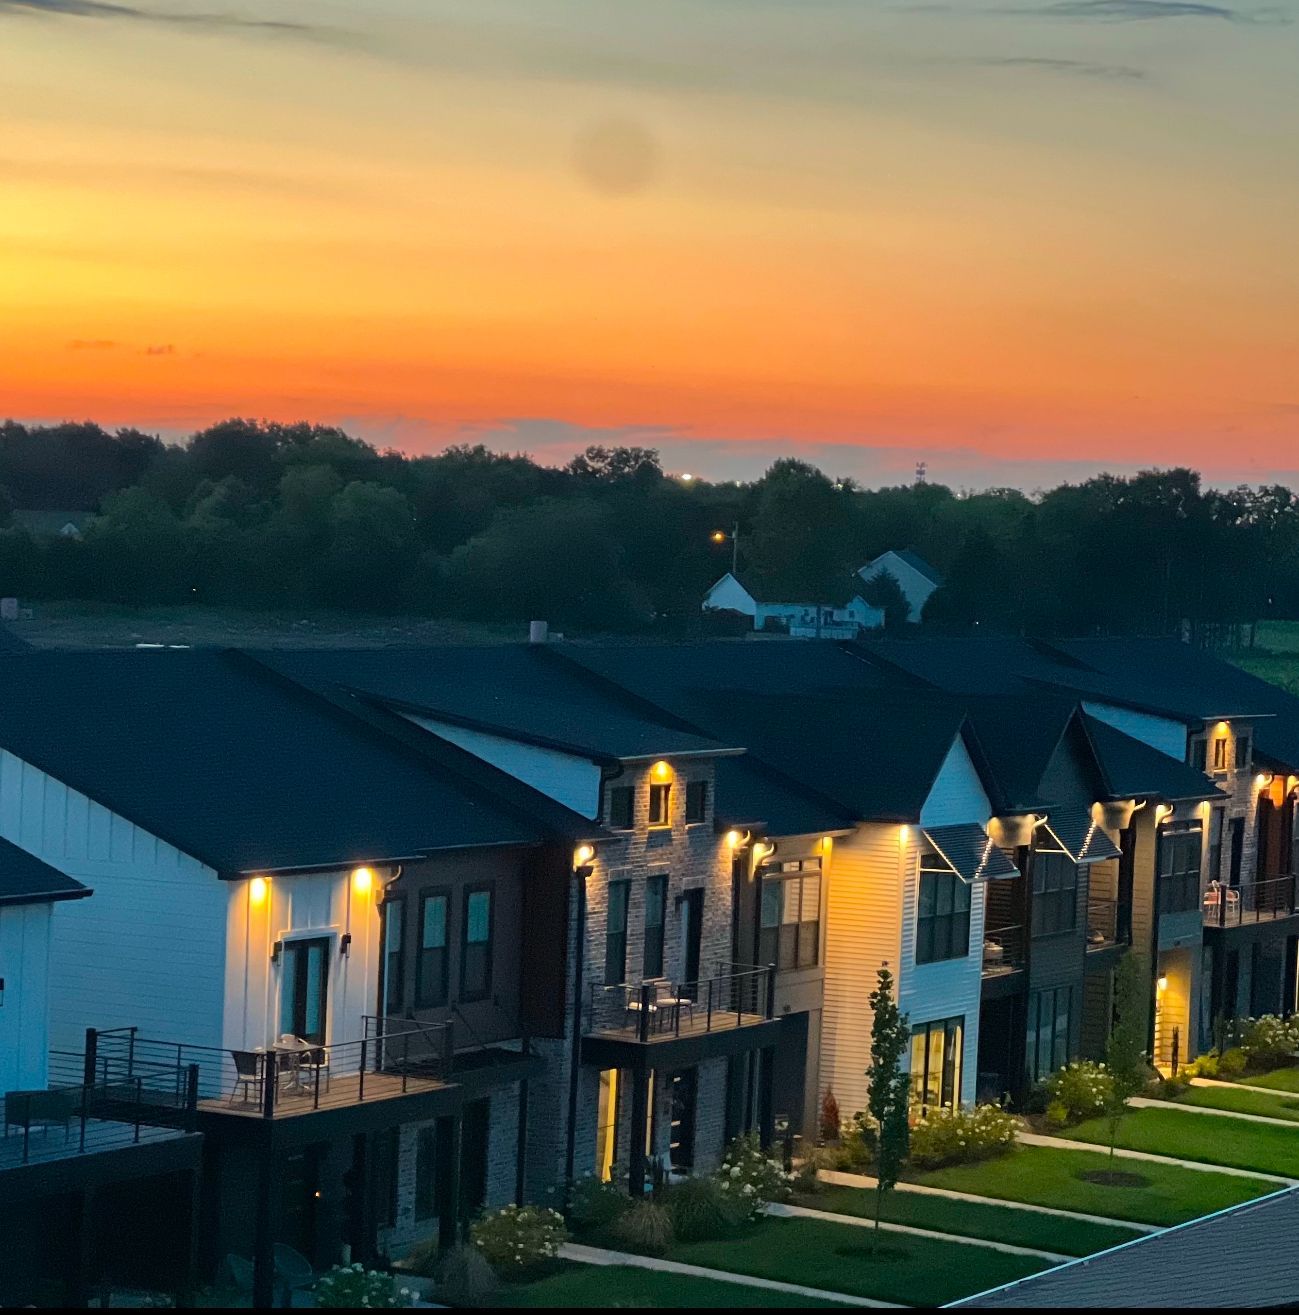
(1003, 950)
(1248, 905)
(393, 1058)
(1109, 924)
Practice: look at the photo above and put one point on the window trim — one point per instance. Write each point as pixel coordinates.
(478, 888)
(951, 1066)
(662, 905)
(625, 884)
(421, 1000)
(385, 951)
(1178, 891)
(1032, 1040)
(932, 923)
(778, 875)
(1053, 897)
(665, 789)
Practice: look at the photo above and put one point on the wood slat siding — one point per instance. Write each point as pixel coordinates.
(957, 794)
(1159, 732)
(148, 948)
(24, 964)
(565, 777)
(862, 931)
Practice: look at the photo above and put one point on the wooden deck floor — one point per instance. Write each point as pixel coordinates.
(688, 1023)
(341, 1090)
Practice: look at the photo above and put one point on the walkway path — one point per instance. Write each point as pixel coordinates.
(599, 1256)
(1243, 1086)
(1145, 1103)
(857, 1221)
(1065, 1144)
(838, 1179)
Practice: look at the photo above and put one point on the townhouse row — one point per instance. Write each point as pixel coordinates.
(332, 950)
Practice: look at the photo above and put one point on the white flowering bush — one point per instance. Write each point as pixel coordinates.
(353, 1287)
(749, 1177)
(1269, 1041)
(961, 1136)
(1081, 1090)
(519, 1238)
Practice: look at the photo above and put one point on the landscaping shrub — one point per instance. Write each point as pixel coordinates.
(1203, 1066)
(962, 1136)
(806, 1177)
(751, 1178)
(1078, 1091)
(829, 1116)
(701, 1211)
(519, 1238)
(645, 1227)
(1269, 1041)
(1232, 1063)
(424, 1257)
(594, 1205)
(348, 1287)
(465, 1278)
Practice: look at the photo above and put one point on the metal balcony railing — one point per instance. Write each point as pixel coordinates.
(1256, 901)
(1003, 950)
(645, 1011)
(1108, 923)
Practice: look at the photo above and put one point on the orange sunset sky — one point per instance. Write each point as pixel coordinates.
(1023, 240)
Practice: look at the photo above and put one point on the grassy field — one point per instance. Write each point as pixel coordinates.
(994, 1223)
(628, 1287)
(839, 1257)
(1271, 1105)
(1275, 656)
(1189, 1136)
(1279, 1079)
(1042, 1175)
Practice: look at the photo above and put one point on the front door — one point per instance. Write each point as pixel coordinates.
(299, 1197)
(691, 907)
(685, 1087)
(304, 989)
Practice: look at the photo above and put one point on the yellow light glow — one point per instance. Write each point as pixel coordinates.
(903, 835)
(661, 770)
(1163, 812)
(362, 880)
(1221, 728)
(1162, 984)
(583, 854)
(733, 839)
(826, 842)
(1263, 778)
(717, 536)
(257, 889)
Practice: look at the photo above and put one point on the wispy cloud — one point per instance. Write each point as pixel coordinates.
(217, 22)
(1082, 68)
(91, 345)
(1144, 11)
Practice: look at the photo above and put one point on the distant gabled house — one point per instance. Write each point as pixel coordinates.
(842, 615)
(42, 524)
(916, 577)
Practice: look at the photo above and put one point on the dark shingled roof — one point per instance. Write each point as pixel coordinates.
(1236, 1257)
(244, 770)
(519, 690)
(1133, 769)
(25, 879)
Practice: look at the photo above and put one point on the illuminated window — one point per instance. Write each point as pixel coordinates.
(789, 933)
(606, 1125)
(936, 1064)
(1220, 754)
(660, 804)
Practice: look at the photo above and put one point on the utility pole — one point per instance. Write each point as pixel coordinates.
(735, 548)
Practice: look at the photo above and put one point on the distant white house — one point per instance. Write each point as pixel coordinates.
(801, 620)
(53, 524)
(916, 578)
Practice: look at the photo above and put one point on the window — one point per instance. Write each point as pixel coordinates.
(789, 933)
(621, 801)
(394, 955)
(1199, 755)
(476, 945)
(943, 913)
(936, 1064)
(1179, 870)
(660, 804)
(1055, 892)
(696, 801)
(1049, 1014)
(615, 935)
(1215, 844)
(431, 966)
(1242, 752)
(426, 1163)
(304, 988)
(656, 905)
(1220, 754)
(606, 1125)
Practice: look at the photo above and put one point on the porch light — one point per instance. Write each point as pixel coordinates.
(1263, 778)
(1221, 728)
(362, 880)
(582, 855)
(257, 889)
(1163, 812)
(661, 770)
(1162, 984)
(764, 849)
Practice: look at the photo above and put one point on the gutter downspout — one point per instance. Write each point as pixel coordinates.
(575, 1059)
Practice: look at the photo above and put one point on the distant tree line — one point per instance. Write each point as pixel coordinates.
(258, 514)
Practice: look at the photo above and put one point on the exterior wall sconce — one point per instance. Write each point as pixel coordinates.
(345, 944)
(362, 880)
(257, 889)
(1161, 985)
(582, 855)
(736, 839)
(661, 770)
(1163, 812)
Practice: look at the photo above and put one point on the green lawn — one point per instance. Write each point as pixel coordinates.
(911, 1270)
(1045, 1175)
(622, 1286)
(1279, 1079)
(1200, 1137)
(996, 1223)
(1272, 1105)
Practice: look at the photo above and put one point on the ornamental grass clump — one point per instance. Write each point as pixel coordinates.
(519, 1238)
(351, 1287)
(962, 1136)
(645, 1227)
(749, 1177)
(465, 1278)
(594, 1206)
(702, 1211)
(1081, 1090)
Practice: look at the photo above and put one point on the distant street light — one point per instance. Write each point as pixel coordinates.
(721, 536)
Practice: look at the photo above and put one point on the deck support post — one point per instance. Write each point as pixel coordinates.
(639, 1128)
(766, 1104)
(264, 1234)
(449, 1215)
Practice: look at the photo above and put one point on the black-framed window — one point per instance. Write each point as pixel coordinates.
(304, 989)
(696, 801)
(426, 1172)
(622, 801)
(789, 931)
(394, 955)
(1050, 1013)
(656, 908)
(660, 804)
(1179, 869)
(615, 934)
(387, 1157)
(1199, 755)
(433, 961)
(1055, 892)
(1216, 816)
(942, 913)
(936, 1063)
(1242, 752)
(476, 944)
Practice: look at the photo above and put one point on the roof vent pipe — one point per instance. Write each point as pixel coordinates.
(538, 632)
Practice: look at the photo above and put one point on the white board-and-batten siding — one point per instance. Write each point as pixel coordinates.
(24, 1018)
(568, 778)
(147, 949)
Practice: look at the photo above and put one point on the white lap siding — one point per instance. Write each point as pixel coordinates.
(148, 949)
(24, 1023)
